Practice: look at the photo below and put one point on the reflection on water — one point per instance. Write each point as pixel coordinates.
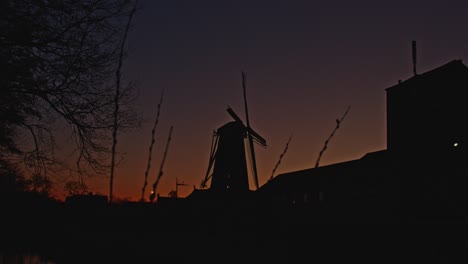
(23, 258)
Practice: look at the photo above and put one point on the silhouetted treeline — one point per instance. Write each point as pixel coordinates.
(228, 230)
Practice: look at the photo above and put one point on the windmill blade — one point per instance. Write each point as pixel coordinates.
(259, 139)
(254, 162)
(214, 147)
(249, 134)
(205, 180)
(235, 116)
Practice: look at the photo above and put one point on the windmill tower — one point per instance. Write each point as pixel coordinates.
(228, 161)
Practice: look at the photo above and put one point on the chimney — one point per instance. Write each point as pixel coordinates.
(414, 56)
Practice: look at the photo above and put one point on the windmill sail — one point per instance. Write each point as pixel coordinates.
(249, 134)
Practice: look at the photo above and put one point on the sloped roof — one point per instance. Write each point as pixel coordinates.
(454, 69)
(371, 159)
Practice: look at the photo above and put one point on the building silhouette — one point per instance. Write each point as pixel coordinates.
(420, 176)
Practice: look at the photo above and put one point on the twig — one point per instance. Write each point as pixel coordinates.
(338, 122)
(281, 156)
(151, 147)
(155, 184)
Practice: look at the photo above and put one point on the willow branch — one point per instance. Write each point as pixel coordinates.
(338, 122)
(280, 158)
(151, 147)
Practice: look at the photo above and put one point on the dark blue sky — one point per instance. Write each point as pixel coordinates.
(305, 61)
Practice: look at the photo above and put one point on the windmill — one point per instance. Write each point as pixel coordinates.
(228, 161)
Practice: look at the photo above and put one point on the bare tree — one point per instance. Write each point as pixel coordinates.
(11, 178)
(57, 60)
(75, 188)
(118, 80)
(41, 184)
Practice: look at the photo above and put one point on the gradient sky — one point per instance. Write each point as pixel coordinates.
(305, 61)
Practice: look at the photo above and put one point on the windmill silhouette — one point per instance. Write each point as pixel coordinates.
(227, 166)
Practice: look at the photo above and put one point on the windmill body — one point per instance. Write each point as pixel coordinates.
(230, 168)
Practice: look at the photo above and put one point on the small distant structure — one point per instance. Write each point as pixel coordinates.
(173, 196)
